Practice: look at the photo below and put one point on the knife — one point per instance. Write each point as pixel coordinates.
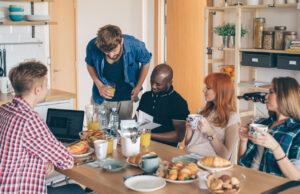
(282, 187)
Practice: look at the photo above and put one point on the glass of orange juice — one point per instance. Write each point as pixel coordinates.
(145, 137)
(110, 145)
(112, 88)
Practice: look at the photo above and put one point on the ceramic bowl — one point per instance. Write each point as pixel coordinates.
(240, 176)
(111, 165)
(13, 9)
(16, 18)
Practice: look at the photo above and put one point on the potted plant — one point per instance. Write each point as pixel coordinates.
(227, 32)
(224, 31)
(231, 41)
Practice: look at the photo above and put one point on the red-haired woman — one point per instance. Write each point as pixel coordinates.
(217, 130)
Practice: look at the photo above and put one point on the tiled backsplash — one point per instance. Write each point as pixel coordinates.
(17, 53)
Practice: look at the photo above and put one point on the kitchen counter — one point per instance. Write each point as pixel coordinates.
(53, 95)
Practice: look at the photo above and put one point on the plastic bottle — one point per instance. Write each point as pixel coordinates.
(114, 122)
(103, 120)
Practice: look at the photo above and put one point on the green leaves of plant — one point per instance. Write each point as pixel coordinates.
(228, 30)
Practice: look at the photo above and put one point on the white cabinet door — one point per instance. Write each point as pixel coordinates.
(42, 108)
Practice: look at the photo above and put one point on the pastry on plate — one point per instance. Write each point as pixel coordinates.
(79, 148)
(215, 162)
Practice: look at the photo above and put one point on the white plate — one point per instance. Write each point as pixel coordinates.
(37, 17)
(182, 182)
(145, 183)
(212, 168)
(132, 164)
(90, 151)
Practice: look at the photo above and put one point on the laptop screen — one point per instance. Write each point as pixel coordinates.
(65, 123)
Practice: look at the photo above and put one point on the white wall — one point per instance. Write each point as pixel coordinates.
(134, 17)
(18, 34)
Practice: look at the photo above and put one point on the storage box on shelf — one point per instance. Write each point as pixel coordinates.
(247, 55)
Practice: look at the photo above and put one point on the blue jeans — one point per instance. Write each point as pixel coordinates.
(66, 189)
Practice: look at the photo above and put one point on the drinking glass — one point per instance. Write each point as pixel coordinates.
(110, 145)
(112, 88)
(145, 137)
(91, 117)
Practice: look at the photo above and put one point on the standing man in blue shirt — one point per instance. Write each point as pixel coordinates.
(114, 58)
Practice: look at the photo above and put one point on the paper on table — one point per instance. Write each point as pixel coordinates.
(146, 120)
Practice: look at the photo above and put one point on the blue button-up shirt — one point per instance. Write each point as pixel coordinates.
(134, 53)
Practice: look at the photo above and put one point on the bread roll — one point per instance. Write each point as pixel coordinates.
(215, 162)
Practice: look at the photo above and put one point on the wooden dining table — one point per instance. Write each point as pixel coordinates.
(113, 182)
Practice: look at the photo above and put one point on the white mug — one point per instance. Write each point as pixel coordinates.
(100, 148)
(258, 126)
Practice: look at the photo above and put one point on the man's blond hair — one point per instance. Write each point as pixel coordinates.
(26, 75)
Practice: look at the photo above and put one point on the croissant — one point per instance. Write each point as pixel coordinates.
(193, 168)
(215, 161)
(79, 148)
(135, 159)
(179, 164)
(173, 173)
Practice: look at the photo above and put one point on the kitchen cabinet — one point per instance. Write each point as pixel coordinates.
(234, 55)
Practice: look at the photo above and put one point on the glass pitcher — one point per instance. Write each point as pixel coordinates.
(92, 117)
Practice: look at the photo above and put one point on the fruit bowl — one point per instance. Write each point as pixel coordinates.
(227, 182)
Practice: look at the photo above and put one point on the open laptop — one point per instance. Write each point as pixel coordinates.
(65, 124)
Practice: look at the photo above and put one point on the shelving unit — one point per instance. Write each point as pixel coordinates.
(31, 23)
(235, 53)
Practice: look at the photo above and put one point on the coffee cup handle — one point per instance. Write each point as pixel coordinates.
(140, 163)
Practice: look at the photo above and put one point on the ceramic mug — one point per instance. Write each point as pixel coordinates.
(101, 148)
(194, 120)
(258, 126)
(149, 163)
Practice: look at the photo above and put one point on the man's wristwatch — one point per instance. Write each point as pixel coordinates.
(210, 137)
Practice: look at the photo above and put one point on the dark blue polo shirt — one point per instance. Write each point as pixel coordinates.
(164, 108)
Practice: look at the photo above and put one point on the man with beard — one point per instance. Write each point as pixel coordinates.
(28, 149)
(114, 58)
(166, 107)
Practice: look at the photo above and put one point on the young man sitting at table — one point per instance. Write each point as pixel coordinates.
(276, 151)
(28, 150)
(165, 106)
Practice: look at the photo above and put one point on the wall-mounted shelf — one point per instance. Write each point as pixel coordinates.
(211, 9)
(19, 43)
(28, 23)
(270, 51)
(29, 0)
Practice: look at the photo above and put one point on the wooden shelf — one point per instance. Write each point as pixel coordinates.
(27, 23)
(262, 88)
(222, 49)
(246, 113)
(28, 0)
(251, 7)
(270, 51)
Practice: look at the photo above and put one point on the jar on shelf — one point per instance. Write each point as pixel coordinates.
(268, 37)
(268, 2)
(278, 37)
(279, 1)
(258, 32)
(288, 36)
